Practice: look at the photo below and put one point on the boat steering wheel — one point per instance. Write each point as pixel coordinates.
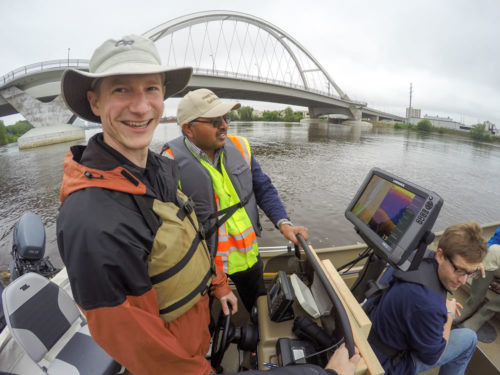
(219, 348)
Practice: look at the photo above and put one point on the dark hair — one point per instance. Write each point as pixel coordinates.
(465, 240)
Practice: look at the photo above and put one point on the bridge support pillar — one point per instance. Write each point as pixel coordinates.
(356, 112)
(314, 112)
(51, 120)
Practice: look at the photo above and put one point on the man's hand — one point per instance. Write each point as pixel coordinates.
(231, 299)
(483, 272)
(290, 232)
(453, 307)
(341, 362)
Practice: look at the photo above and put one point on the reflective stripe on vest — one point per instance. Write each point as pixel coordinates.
(237, 247)
(179, 264)
(244, 148)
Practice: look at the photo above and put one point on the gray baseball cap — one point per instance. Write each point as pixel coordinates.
(202, 103)
(131, 54)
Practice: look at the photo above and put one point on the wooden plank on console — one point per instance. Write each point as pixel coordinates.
(369, 363)
(359, 315)
(360, 323)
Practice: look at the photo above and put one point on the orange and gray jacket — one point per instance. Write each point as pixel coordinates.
(141, 285)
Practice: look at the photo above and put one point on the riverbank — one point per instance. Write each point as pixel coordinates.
(480, 135)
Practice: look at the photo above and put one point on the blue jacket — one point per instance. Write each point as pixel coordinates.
(409, 317)
(495, 239)
(266, 194)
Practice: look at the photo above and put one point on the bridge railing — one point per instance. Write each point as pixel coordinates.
(250, 77)
(84, 64)
(43, 66)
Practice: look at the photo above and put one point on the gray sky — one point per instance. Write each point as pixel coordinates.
(373, 49)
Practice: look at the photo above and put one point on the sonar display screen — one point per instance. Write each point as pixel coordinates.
(387, 208)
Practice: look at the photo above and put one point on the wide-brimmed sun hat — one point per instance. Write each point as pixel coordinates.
(202, 103)
(132, 54)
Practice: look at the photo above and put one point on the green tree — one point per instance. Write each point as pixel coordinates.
(19, 128)
(424, 125)
(289, 115)
(298, 116)
(480, 132)
(245, 113)
(3, 134)
(270, 116)
(234, 115)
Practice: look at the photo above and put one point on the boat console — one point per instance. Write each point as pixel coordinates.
(306, 315)
(309, 310)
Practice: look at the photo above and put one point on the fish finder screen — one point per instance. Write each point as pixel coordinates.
(388, 209)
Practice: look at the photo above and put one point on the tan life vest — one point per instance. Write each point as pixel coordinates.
(179, 265)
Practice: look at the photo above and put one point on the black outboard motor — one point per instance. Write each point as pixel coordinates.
(28, 248)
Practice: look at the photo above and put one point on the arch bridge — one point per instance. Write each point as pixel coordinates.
(236, 55)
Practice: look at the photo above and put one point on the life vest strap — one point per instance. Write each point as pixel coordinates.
(156, 279)
(202, 288)
(227, 212)
(145, 204)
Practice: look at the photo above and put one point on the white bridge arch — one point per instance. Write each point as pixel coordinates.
(241, 44)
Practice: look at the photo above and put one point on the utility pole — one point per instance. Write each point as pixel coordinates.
(409, 108)
(68, 55)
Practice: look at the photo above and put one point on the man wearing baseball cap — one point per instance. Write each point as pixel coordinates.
(124, 231)
(219, 172)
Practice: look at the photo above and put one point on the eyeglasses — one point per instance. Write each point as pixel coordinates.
(216, 122)
(460, 271)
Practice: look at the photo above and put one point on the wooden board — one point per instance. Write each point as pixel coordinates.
(360, 323)
(357, 312)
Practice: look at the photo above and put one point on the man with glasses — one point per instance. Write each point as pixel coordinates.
(411, 331)
(475, 318)
(220, 174)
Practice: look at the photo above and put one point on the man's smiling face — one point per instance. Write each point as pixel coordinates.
(130, 108)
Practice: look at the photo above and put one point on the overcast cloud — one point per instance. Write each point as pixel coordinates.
(448, 49)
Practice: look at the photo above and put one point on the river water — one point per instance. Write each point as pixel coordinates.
(317, 169)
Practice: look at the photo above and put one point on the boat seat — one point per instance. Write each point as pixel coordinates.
(47, 324)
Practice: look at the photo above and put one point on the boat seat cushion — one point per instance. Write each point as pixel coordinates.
(82, 356)
(39, 313)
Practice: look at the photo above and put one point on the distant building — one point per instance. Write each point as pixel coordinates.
(305, 113)
(413, 112)
(413, 115)
(491, 127)
(257, 113)
(444, 122)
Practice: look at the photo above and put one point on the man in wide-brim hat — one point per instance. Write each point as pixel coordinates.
(124, 227)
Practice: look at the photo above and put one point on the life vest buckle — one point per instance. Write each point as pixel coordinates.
(202, 232)
(186, 208)
(189, 206)
(205, 290)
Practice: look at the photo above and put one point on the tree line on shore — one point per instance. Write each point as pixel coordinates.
(249, 114)
(478, 132)
(10, 133)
